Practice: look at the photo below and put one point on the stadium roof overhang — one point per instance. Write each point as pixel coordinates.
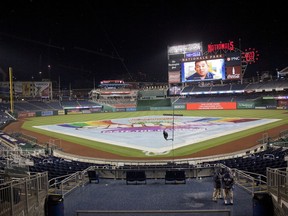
(283, 71)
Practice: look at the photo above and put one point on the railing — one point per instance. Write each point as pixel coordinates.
(24, 196)
(278, 183)
(154, 212)
(251, 182)
(65, 184)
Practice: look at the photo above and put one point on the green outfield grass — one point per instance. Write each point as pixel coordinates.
(128, 152)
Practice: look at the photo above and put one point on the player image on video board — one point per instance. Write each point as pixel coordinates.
(201, 70)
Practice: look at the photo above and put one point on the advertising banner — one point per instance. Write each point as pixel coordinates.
(246, 105)
(42, 89)
(212, 106)
(47, 113)
(180, 106)
(130, 109)
(233, 72)
(233, 59)
(26, 114)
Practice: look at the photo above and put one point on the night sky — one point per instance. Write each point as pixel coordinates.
(88, 41)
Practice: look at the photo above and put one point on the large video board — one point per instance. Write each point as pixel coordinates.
(203, 70)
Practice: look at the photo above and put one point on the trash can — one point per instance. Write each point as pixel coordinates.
(54, 205)
(262, 204)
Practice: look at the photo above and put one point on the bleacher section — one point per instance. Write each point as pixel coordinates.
(5, 119)
(258, 163)
(55, 105)
(33, 105)
(146, 104)
(268, 86)
(152, 94)
(57, 167)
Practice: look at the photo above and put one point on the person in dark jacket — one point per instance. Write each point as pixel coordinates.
(202, 71)
(217, 186)
(227, 186)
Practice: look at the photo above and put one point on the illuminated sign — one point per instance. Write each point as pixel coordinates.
(193, 54)
(212, 106)
(250, 55)
(112, 82)
(207, 57)
(233, 72)
(187, 48)
(221, 46)
(233, 59)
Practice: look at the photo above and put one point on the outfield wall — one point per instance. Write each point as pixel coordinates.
(187, 106)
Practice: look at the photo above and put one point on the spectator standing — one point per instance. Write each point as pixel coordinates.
(227, 186)
(217, 186)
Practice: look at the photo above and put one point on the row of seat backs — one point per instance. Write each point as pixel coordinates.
(172, 176)
(93, 176)
(135, 176)
(175, 176)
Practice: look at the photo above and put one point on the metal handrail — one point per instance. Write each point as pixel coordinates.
(278, 183)
(22, 196)
(147, 212)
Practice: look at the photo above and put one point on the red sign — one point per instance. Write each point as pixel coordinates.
(221, 46)
(212, 106)
(250, 55)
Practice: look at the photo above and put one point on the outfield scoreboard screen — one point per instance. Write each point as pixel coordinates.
(204, 68)
(211, 67)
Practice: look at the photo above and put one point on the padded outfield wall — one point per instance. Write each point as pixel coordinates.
(146, 105)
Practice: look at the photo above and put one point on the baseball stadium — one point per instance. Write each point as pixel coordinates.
(78, 152)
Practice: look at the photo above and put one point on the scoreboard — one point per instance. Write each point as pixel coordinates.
(225, 62)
